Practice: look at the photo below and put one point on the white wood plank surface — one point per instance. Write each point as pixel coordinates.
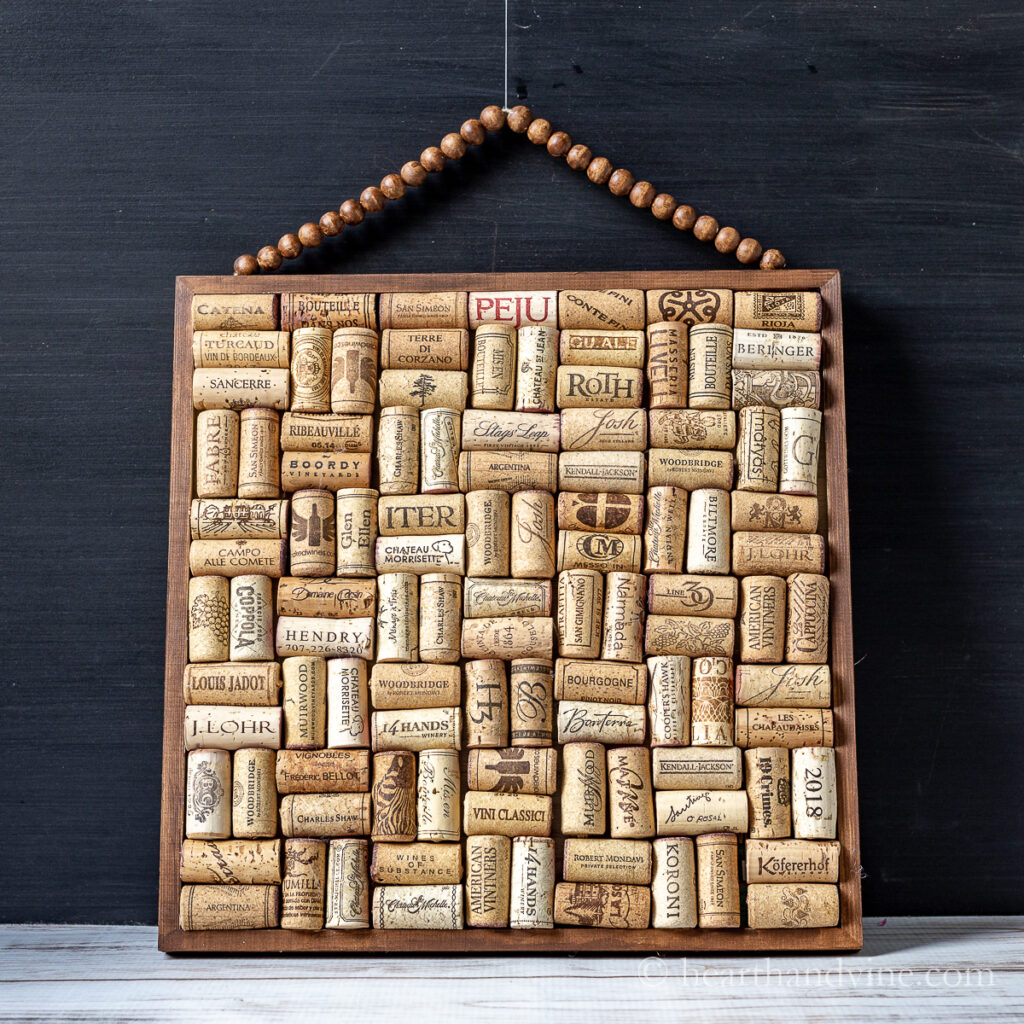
(922, 969)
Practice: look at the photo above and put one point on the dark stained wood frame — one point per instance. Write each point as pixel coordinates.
(848, 936)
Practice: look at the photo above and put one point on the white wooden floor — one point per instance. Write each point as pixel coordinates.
(922, 969)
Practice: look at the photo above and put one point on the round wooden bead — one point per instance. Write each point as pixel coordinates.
(392, 186)
(663, 206)
(371, 199)
(331, 223)
(473, 132)
(559, 144)
(727, 239)
(620, 182)
(599, 170)
(684, 218)
(579, 157)
(539, 131)
(246, 264)
(414, 173)
(773, 260)
(433, 159)
(706, 228)
(642, 194)
(492, 118)
(268, 258)
(351, 212)
(519, 119)
(453, 145)
(310, 235)
(289, 246)
(748, 251)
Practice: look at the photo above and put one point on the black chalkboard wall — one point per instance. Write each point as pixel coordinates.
(143, 141)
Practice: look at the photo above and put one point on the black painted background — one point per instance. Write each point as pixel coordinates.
(144, 140)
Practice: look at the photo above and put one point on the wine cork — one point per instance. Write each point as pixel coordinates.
(224, 908)
(237, 518)
(488, 540)
(398, 617)
(513, 770)
(514, 307)
(443, 553)
(580, 613)
(230, 728)
(697, 768)
(395, 687)
(231, 861)
(217, 453)
(325, 815)
(695, 636)
(492, 379)
(305, 702)
(791, 860)
(506, 814)
(235, 312)
(757, 451)
(602, 472)
(440, 348)
(600, 513)
(668, 701)
(786, 350)
(323, 771)
(710, 429)
(259, 468)
(412, 863)
(768, 792)
(209, 618)
(329, 638)
(341, 432)
(778, 388)
(394, 797)
(668, 357)
(421, 514)
(424, 389)
(533, 529)
(778, 311)
(709, 375)
(438, 808)
(674, 884)
(405, 310)
(311, 547)
(784, 727)
(711, 714)
(532, 883)
(483, 430)
(354, 370)
(801, 441)
(690, 469)
(398, 450)
(602, 905)
(482, 598)
(710, 596)
(718, 882)
(777, 554)
(348, 884)
(488, 870)
(774, 512)
(609, 387)
(244, 388)
(238, 684)
(236, 349)
(348, 705)
(630, 794)
(440, 441)
(626, 861)
(814, 792)
(328, 471)
(531, 702)
(440, 619)
(302, 888)
(311, 370)
(254, 794)
(600, 682)
(417, 729)
(604, 552)
(326, 597)
(615, 309)
(486, 704)
(508, 471)
(792, 905)
(328, 309)
(536, 366)
(208, 794)
(590, 347)
(584, 790)
(603, 430)
(665, 534)
(708, 539)
(508, 637)
(784, 686)
(762, 619)
(593, 722)
(431, 907)
(690, 305)
(623, 630)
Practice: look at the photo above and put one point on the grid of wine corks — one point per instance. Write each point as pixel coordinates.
(509, 610)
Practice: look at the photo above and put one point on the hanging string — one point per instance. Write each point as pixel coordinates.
(505, 107)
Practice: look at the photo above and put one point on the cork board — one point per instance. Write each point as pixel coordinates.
(833, 525)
